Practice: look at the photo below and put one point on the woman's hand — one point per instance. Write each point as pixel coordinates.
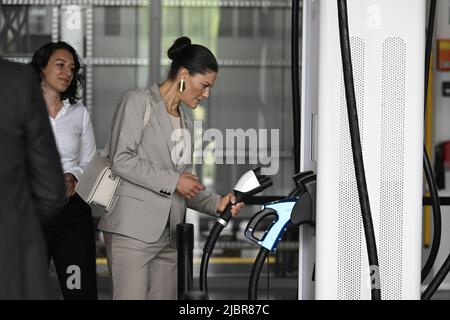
(224, 202)
(188, 185)
(71, 183)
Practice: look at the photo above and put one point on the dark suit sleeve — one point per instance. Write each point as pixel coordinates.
(44, 171)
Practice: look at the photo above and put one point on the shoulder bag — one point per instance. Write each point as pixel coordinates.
(99, 183)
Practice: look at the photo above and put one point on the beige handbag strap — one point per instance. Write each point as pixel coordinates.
(147, 110)
(105, 151)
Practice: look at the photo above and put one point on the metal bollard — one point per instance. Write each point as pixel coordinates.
(185, 247)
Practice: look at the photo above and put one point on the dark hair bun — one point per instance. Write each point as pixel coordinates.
(175, 51)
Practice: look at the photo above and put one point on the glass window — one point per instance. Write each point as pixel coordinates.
(245, 22)
(112, 21)
(226, 22)
(266, 23)
(253, 90)
(106, 97)
(120, 32)
(251, 44)
(24, 29)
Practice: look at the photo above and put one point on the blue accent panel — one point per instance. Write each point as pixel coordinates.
(275, 232)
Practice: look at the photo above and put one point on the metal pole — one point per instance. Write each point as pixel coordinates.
(185, 247)
(155, 42)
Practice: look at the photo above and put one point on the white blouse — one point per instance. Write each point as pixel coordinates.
(177, 135)
(74, 136)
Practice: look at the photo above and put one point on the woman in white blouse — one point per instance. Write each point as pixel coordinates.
(70, 236)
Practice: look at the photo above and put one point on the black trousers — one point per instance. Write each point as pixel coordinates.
(70, 239)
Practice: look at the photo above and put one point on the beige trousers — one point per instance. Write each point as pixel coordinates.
(140, 270)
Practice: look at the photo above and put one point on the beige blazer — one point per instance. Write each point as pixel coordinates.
(146, 195)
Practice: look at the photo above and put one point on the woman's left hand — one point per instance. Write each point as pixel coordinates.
(71, 183)
(224, 202)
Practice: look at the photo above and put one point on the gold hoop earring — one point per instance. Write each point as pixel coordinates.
(182, 85)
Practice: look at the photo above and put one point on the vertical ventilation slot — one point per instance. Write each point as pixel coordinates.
(350, 232)
(392, 167)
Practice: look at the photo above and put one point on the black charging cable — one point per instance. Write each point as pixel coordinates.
(357, 150)
(429, 175)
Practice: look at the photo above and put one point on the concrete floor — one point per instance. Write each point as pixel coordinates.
(225, 282)
(229, 285)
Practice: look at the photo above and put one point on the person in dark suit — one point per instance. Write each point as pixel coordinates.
(31, 183)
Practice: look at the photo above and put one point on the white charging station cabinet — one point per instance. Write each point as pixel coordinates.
(388, 48)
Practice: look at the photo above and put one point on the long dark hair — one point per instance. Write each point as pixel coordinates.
(194, 57)
(40, 61)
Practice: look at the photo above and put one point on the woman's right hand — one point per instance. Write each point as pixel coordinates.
(71, 183)
(188, 185)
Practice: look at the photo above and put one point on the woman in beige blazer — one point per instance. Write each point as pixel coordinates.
(157, 185)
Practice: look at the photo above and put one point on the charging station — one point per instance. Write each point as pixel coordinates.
(387, 48)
